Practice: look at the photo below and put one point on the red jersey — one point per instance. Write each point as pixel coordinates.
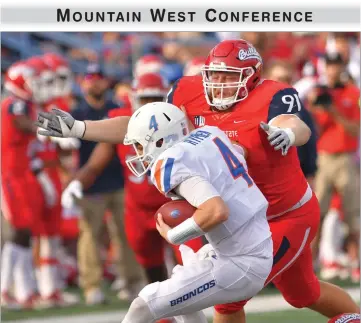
(140, 191)
(59, 103)
(15, 158)
(280, 178)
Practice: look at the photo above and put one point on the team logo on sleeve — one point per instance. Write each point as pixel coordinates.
(199, 121)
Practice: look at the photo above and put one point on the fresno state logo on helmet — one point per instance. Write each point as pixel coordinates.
(249, 53)
(346, 318)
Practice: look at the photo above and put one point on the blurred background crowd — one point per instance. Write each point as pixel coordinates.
(99, 69)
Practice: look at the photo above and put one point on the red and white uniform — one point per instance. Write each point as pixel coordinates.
(293, 211)
(142, 200)
(17, 181)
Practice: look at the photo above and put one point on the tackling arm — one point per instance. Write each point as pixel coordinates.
(109, 130)
(301, 131)
(59, 123)
(284, 128)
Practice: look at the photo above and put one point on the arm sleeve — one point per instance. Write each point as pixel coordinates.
(196, 190)
(285, 101)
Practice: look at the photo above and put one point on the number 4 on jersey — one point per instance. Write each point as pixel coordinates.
(234, 165)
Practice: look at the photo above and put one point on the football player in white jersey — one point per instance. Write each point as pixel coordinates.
(206, 169)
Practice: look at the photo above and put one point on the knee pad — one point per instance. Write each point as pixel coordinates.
(138, 312)
(21, 237)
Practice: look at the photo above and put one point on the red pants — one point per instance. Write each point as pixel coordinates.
(292, 272)
(145, 240)
(18, 196)
(49, 219)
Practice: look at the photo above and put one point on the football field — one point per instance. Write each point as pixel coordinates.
(265, 308)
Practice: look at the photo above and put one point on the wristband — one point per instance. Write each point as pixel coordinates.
(185, 231)
(290, 135)
(78, 129)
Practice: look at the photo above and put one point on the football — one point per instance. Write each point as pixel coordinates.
(346, 318)
(175, 212)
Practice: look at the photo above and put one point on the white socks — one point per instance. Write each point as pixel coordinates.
(331, 237)
(23, 274)
(48, 273)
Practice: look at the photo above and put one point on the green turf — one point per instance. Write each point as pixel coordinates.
(301, 316)
(293, 316)
(113, 304)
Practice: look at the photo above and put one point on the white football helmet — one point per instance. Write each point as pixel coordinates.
(156, 127)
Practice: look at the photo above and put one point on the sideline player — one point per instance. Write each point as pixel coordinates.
(204, 168)
(19, 187)
(47, 232)
(232, 96)
(142, 199)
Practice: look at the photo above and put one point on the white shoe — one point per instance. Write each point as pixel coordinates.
(126, 295)
(94, 297)
(70, 298)
(130, 293)
(58, 299)
(118, 284)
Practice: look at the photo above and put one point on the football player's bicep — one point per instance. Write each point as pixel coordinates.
(285, 101)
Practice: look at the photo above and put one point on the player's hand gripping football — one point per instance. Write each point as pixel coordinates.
(279, 138)
(59, 123)
(162, 227)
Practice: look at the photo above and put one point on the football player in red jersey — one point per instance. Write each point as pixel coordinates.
(232, 96)
(142, 199)
(47, 232)
(245, 106)
(19, 185)
(61, 99)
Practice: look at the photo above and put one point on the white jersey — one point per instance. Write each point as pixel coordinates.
(207, 152)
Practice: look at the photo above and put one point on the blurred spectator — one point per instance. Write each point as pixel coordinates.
(105, 194)
(194, 66)
(335, 106)
(282, 71)
(148, 64)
